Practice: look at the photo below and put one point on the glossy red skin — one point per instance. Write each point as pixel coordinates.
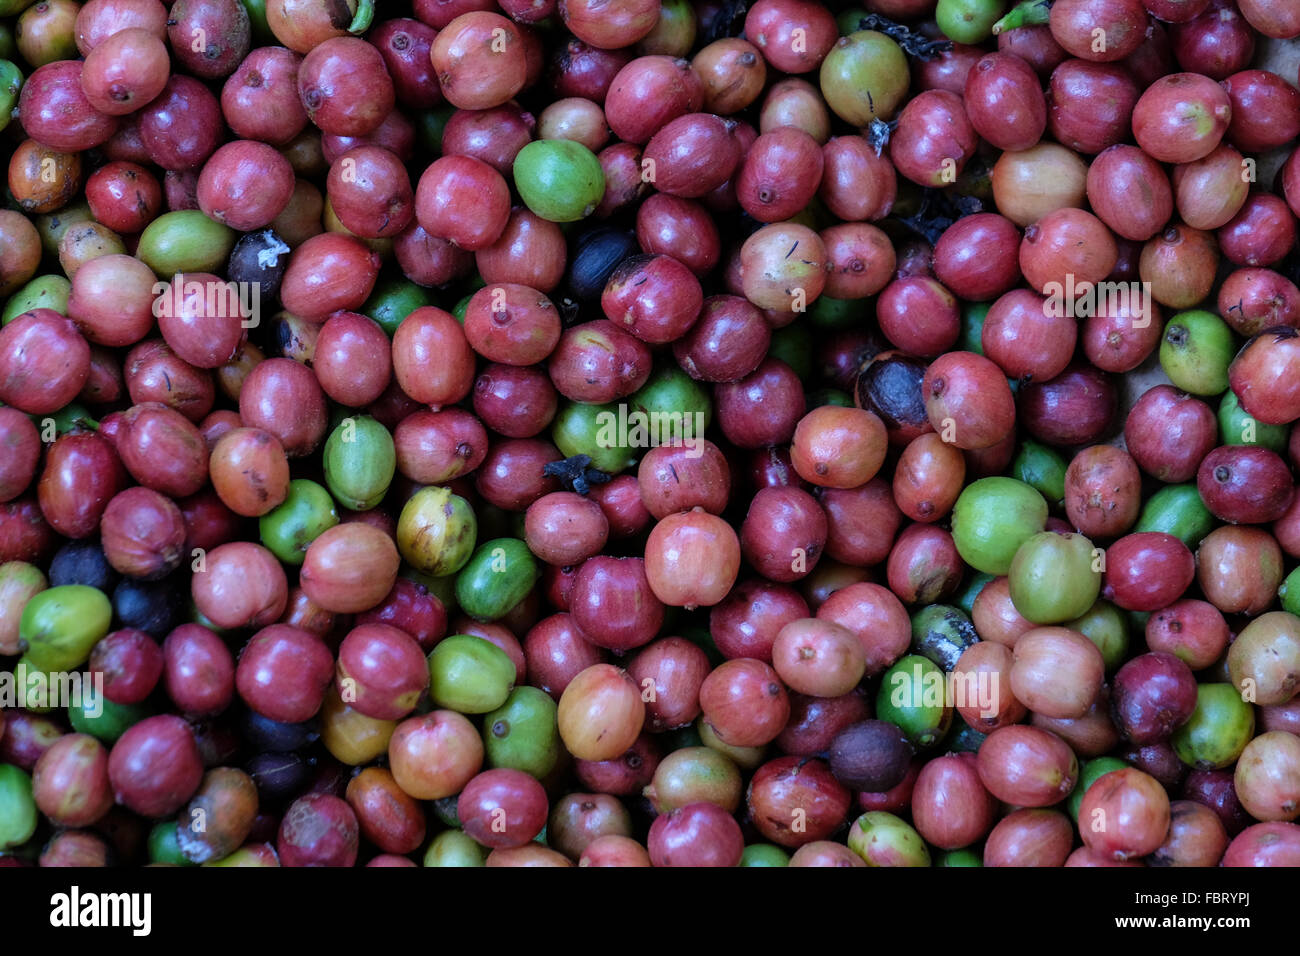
(436, 447)
(198, 670)
(130, 662)
(43, 362)
(1217, 43)
(856, 184)
(693, 155)
(282, 397)
(207, 329)
(327, 273)
(428, 340)
(700, 834)
(396, 134)
(353, 359)
(282, 673)
(182, 127)
(429, 260)
(779, 175)
(21, 444)
(388, 817)
(1029, 838)
(676, 668)
(163, 450)
(1168, 118)
(648, 93)
(1073, 23)
(386, 670)
(481, 804)
(815, 722)
(555, 652)
(27, 736)
(950, 806)
(515, 401)
(625, 775)
(1152, 695)
(99, 19)
(318, 829)
(919, 315)
(1090, 105)
(770, 25)
(1005, 102)
(1027, 339)
(1252, 300)
(655, 298)
(1265, 110)
(411, 607)
(530, 251)
(157, 375)
(467, 54)
(680, 228)
(511, 475)
(243, 585)
(54, 110)
(511, 323)
(344, 86)
(745, 702)
(439, 13)
(977, 256)
(493, 136)
(124, 281)
(673, 479)
(370, 192)
(1035, 45)
(405, 45)
(124, 196)
(70, 783)
(933, 133)
(958, 379)
(1169, 432)
(612, 604)
(82, 473)
(1027, 766)
(951, 69)
(260, 99)
(1265, 844)
(598, 362)
(143, 534)
(154, 767)
(104, 385)
(245, 184)
(1245, 484)
(1130, 192)
(762, 408)
(1076, 408)
(1261, 234)
(1147, 571)
(1263, 376)
(24, 533)
(578, 68)
(782, 787)
(594, 23)
(351, 567)
(924, 566)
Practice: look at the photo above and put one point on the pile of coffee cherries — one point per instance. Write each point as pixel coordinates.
(649, 433)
